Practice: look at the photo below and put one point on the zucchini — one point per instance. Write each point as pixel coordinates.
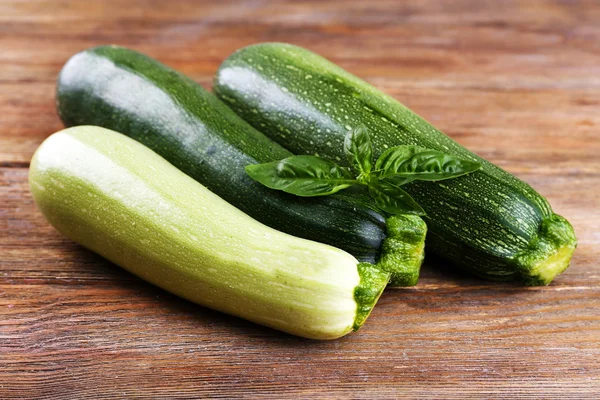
(120, 199)
(488, 222)
(125, 91)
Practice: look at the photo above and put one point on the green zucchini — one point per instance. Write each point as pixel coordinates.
(488, 222)
(125, 91)
(120, 199)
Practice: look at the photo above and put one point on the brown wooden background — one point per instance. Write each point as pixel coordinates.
(517, 82)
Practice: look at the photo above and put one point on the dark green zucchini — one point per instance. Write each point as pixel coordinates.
(125, 91)
(488, 222)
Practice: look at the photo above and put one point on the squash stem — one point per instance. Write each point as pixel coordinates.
(372, 282)
(549, 254)
(403, 249)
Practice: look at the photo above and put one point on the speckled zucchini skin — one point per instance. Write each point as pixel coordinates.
(488, 222)
(128, 92)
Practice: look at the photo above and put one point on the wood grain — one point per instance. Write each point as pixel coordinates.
(517, 82)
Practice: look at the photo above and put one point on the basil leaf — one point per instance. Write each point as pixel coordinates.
(359, 150)
(418, 163)
(392, 199)
(305, 176)
(399, 180)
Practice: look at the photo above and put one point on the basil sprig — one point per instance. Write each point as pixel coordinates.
(309, 176)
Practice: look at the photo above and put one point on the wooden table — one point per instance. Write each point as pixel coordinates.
(517, 82)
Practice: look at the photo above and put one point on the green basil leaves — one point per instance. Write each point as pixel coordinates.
(304, 176)
(309, 176)
(417, 163)
(392, 199)
(359, 151)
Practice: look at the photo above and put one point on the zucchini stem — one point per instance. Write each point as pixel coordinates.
(549, 253)
(403, 249)
(372, 282)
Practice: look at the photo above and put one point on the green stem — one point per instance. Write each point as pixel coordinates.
(403, 249)
(549, 254)
(372, 282)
